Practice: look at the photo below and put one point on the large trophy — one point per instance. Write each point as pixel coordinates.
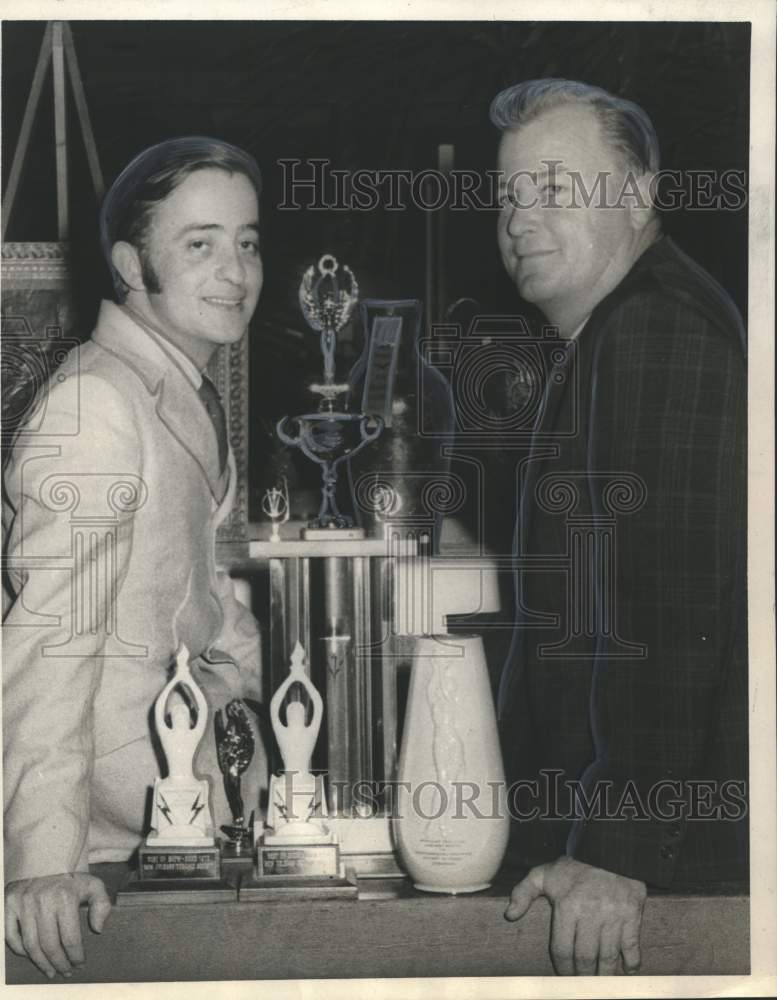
(328, 295)
(352, 600)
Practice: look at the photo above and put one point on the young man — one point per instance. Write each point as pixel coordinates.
(644, 700)
(112, 506)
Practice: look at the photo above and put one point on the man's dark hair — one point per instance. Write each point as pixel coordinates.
(152, 176)
(628, 128)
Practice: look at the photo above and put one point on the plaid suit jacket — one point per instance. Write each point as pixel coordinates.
(631, 678)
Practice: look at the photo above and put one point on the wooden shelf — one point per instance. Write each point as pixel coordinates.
(684, 933)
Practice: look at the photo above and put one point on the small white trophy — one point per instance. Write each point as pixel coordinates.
(297, 843)
(181, 811)
(181, 842)
(275, 505)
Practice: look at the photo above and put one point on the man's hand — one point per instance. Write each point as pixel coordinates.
(42, 921)
(596, 918)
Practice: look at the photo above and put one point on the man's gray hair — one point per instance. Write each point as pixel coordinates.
(625, 124)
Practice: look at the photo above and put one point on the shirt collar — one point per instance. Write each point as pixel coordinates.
(578, 330)
(172, 350)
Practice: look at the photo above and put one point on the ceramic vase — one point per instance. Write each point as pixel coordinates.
(450, 822)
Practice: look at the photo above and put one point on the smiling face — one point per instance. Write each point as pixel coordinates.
(563, 256)
(202, 248)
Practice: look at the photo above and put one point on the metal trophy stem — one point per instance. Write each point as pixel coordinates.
(327, 299)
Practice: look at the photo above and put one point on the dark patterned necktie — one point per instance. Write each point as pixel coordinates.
(210, 397)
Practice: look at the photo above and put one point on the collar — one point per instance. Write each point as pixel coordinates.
(579, 329)
(173, 392)
(184, 362)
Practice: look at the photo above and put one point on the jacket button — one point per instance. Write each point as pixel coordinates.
(667, 853)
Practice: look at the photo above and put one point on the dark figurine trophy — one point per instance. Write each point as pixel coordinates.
(235, 750)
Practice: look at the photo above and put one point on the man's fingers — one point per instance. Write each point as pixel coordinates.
(43, 919)
(562, 942)
(69, 927)
(609, 950)
(49, 939)
(587, 938)
(13, 934)
(524, 894)
(632, 959)
(99, 905)
(29, 927)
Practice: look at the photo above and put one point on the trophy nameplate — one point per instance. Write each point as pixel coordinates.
(193, 862)
(312, 859)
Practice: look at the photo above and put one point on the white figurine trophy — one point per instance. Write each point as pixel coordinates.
(181, 842)
(297, 842)
(275, 505)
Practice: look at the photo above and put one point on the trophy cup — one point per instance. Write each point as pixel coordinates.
(329, 436)
(180, 852)
(297, 850)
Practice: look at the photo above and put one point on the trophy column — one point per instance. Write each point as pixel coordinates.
(328, 595)
(347, 643)
(289, 608)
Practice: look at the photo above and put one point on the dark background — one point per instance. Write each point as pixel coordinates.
(367, 95)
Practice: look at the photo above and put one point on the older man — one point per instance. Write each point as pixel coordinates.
(616, 733)
(112, 507)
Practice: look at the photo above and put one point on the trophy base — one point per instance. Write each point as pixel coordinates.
(276, 887)
(237, 858)
(366, 846)
(376, 866)
(332, 534)
(178, 862)
(175, 891)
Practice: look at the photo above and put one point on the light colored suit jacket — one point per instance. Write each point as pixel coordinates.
(113, 496)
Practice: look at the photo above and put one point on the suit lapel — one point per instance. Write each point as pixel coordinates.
(176, 401)
(181, 410)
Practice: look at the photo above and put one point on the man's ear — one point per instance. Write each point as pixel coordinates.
(127, 262)
(642, 190)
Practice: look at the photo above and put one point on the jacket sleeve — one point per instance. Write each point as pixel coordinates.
(669, 406)
(239, 638)
(70, 494)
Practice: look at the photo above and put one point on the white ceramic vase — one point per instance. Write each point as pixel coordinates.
(450, 820)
